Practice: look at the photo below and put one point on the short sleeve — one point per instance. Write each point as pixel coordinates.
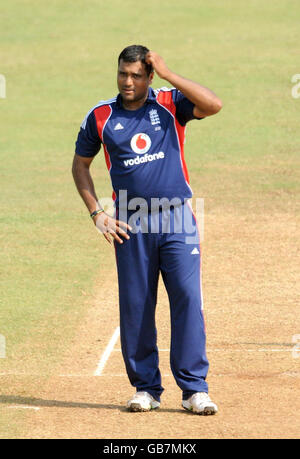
(88, 141)
(184, 108)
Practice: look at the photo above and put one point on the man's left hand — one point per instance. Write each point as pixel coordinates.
(158, 64)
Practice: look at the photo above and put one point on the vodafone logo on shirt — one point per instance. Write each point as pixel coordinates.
(140, 143)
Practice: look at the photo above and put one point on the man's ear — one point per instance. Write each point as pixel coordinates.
(151, 76)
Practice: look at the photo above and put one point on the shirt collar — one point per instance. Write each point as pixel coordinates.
(150, 99)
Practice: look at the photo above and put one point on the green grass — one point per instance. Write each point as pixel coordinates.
(59, 59)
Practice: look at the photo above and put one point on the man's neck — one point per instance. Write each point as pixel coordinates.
(134, 105)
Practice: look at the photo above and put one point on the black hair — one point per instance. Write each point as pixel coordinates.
(136, 53)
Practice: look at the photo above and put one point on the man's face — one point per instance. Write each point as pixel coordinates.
(133, 82)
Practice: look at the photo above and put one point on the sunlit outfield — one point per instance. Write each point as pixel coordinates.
(59, 59)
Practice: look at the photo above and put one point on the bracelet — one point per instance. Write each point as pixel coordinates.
(96, 212)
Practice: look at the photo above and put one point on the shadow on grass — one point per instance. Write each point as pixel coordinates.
(39, 402)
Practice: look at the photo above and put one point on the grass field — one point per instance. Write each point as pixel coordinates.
(59, 59)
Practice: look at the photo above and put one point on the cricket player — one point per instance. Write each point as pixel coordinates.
(142, 133)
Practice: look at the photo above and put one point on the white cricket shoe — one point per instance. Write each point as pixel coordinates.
(142, 401)
(200, 403)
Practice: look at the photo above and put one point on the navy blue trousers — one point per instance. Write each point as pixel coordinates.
(162, 248)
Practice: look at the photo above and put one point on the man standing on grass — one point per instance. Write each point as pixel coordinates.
(142, 132)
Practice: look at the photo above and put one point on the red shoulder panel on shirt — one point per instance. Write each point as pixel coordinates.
(102, 114)
(165, 98)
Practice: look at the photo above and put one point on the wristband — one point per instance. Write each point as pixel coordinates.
(96, 212)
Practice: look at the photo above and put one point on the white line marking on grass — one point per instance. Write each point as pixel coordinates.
(107, 352)
(36, 408)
